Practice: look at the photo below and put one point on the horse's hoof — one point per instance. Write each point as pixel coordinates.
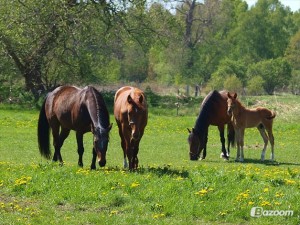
(93, 167)
(201, 158)
(222, 156)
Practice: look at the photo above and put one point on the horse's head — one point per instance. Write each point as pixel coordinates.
(231, 102)
(196, 144)
(101, 138)
(136, 114)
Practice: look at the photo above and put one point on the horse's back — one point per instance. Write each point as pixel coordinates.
(121, 101)
(214, 107)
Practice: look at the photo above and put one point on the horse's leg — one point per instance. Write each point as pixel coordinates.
(271, 138)
(93, 164)
(125, 143)
(64, 133)
(242, 132)
(80, 150)
(237, 136)
(222, 139)
(230, 137)
(57, 141)
(263, 134)
(133, 159)
(204, 148)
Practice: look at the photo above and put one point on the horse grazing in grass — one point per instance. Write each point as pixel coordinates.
(71, 108)
(213, 112)
(131, 114)
(242, 118)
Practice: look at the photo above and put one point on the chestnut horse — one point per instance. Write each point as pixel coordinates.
(242, 118)
(131, 113)
(213, 112)
(71, 108)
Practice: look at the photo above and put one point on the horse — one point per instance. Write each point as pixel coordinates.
(131, 114)
(242, 118)
(71, 108)
(213, 112)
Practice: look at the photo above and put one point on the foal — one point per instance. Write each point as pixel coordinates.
(242, 118)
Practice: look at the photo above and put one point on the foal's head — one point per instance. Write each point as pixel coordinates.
(231, 102)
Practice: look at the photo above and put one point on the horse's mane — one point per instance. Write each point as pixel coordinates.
(102, 112)
(142, 105)
(202, 124)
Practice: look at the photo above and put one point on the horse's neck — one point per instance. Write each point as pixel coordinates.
(239, 109)
(201, 125)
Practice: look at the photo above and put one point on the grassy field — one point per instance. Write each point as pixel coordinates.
(168, 188)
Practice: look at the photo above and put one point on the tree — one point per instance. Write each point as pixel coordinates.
(276, 73)
(255, 86)
(263, 32)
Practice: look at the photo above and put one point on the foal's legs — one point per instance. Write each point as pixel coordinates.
(80, 148)
(263, 134)
(271, 138)
(239, 133)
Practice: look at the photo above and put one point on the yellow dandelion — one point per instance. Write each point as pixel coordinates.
(223, 213)
(135, 184)
(279, 194)
(265, 203)
(266, 189)
(202, 192)
(287, 181)
(277, 203)
(113, 212)
(250, 203)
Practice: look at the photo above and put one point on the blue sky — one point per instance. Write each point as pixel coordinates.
(293, 4)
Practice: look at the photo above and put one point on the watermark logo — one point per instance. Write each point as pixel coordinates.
(259, 211)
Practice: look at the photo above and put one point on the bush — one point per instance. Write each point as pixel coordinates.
(232, 83)
(255, 86)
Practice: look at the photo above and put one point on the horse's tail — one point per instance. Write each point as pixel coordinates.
(272, 116)
(43, 133)
(230, 135)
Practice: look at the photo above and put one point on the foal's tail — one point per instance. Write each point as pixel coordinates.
(272, 116)
(43, 133)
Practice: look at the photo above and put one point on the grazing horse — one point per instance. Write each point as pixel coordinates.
(242, 118)
(213, 112)
(131, 113)
(71, 108)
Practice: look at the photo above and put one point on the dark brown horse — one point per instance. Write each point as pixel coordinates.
(71, 108)
(213, 112)
(131, 113)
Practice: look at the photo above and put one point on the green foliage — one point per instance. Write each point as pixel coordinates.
(275, 72)
(232, 83)
(255, 86)
(293, 51)
(142, 41)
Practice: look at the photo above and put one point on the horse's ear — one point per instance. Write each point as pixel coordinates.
(189, 130)
(129, 99)
(235, 95)
(228, 95)
(141, 98)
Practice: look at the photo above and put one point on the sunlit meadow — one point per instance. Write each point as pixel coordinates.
(168, 188)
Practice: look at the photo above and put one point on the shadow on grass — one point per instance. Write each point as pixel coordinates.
(165, 170)
(266, 162)
(158, 171)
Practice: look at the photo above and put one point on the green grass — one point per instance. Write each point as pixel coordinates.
(167, 189)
